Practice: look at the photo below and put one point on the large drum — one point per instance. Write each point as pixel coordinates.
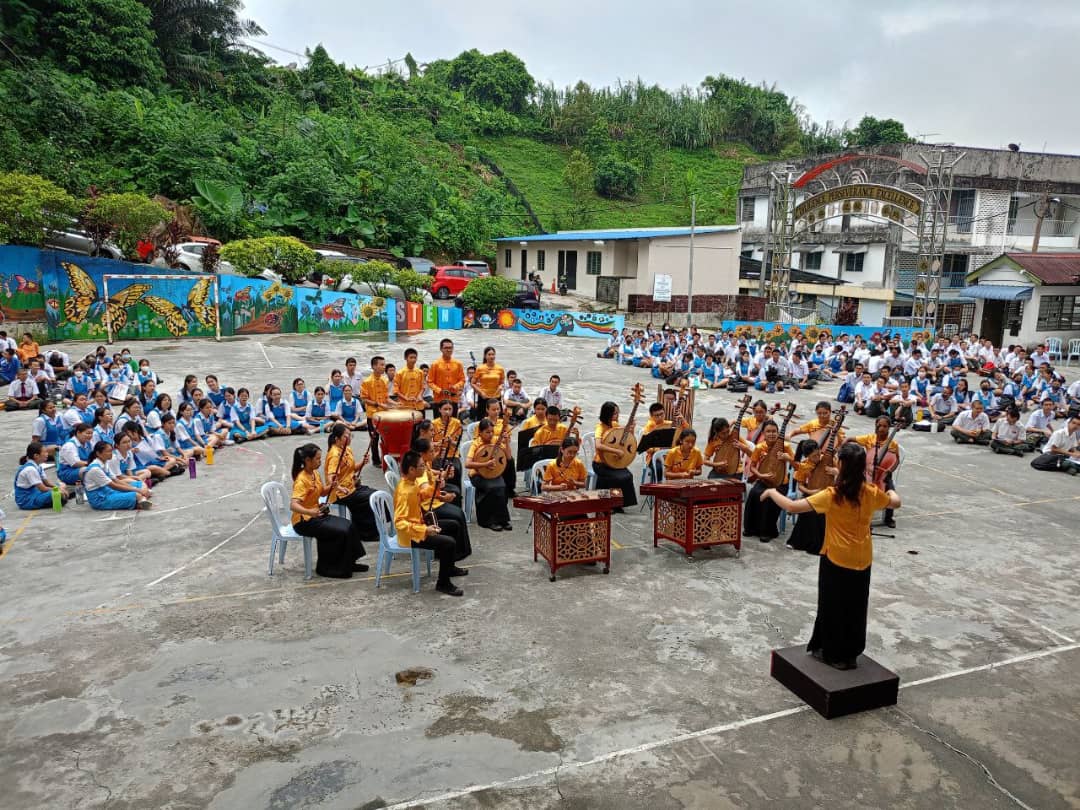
(395, 430)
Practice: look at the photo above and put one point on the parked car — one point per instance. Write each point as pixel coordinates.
(420, 265)
(191, 258)
(524, 298)
(474, 264)
(75, 239)
(451, 280)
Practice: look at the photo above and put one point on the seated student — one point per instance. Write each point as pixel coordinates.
(1057, 395)
(754, 424)
(656, 421)
(712, 373)
(450, 516)
(78, 383)
(150, 454)
(566, 471)
(9, 365)
(446, 435)
(880, 395)
(902, 405)
(538, 418)
(862, 393)
(683, 461)
(318, 413)
(1073, 395)
(146, 373)
(1008, 435)
(1062, 450)
(551, 433)
(989, 400)
(167, 435)
(162, 405)
(744, 371)
(336, 389)
(147, 395)
(209, 429)
(104, 428)
(721, 435)
(130, 411)
(214, 392)
(943, 409)
(494, 413)
(78, 413)
(32, 489)
(187, 434)
(106, 492)
(28, 348)
(242, 416)
(339, 542)
(608, 477)
(342, 471)
(75, 454)
(280, 420)
(808, 533)
(22, 393)
(49, 428)
(118, 384)
(349, 410)
(760, 517)
(800, 371)
(817, 428)
(187, 391)
(551, 395)
(962, 395)
(491, 510)
(413, 531)
(124, 465)
(516, 402)
(972, 427)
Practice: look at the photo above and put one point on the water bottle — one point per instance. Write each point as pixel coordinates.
(57, 501)
(191, 467)
(210, 455)
(80, 494)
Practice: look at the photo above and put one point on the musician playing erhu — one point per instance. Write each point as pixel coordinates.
(725, 450)
(491, 510)
(608, 477)
(450, 517)
(878, 458)
(445, 432)
(342, 470)
(413, 531)
(767, 468)
(566, 472)
(683, 461)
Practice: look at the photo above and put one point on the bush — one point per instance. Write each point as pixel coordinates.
(615, 178)
(126, 219)
(489, 293)
(377, 275)
(30, 205)
(412, 283)
(285, 255)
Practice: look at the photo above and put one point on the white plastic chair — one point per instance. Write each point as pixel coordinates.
(793, 493)
(1074, 351)
(391, 464)
(277, 509)
(382, 506)
(536, 482)
(653, 473)
(1053, 348)
(468, 491)
(468, 433)
(392, 480)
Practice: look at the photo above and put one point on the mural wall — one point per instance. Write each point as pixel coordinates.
(547, 322)
(21, 299)
(330, 311)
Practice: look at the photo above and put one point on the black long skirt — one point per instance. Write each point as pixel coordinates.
(614, 478)
(760, 517)
(809, 533)
(358, 502)
(452, 522)
(338, 542)
(840, 627)
(491, 509)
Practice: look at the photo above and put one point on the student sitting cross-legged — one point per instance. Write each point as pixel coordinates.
(972, 427)
(32, 489)
(106, 491)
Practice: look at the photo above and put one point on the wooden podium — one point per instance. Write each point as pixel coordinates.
(833, 692)
(697, 513)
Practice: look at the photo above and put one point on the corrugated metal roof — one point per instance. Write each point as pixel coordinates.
(626, 233)
(1050, 268)
(999, 292)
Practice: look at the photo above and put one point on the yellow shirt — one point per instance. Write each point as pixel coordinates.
(440, 430)
(870, 442)
(574, 473)
(27, 351)
(750, 423)
(803, 470)
(546, 435)
(307, 488)
(446, 379)
(375, 391)
(598, 434)
(408, 519)
(675, 461)
(759, 453)
(847, 526)
(533, 421)
(344, 466)
(715, 444)
(811, 428)
(488, 379)
(424, 483)
(477, 445)
(409, 386)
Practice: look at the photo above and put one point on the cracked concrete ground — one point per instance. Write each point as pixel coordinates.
(149, 662)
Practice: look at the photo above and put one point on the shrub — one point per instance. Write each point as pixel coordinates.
(412, 283)
(615, 178)
(377, 275)
(30, 205)
(126, 219)
(285, 255)
(489, 293)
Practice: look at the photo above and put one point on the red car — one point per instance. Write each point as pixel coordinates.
(449, 280)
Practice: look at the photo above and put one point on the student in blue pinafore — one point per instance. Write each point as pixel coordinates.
(32, 489)
(279, 417)
(299, 399)
(106, 492)
(349, 410)
(49, 428)
(319, 415)
(75, 454)
(336, 389)
(188, 439)
(243, 419)
(78, 383)
(213, 432)
(104, 431)
(214, 392)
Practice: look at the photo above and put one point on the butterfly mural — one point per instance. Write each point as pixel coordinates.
(198, 309)
(243, 295)
(334, 311)
(86, 302)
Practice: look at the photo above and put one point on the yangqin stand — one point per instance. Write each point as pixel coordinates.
(697, 514)
(572, 528)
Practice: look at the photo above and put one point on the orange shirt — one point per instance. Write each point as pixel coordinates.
(574, 473)
(488, 379)
(408, 519)
(344, 466)
(446, 379)
(545, 435)
(307, 488)
(409, 386)
(847, 526)
(440, 430)
(676, 461)
(759, 453)
(375, 391)
(28, 351)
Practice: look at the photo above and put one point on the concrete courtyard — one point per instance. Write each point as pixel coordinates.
(149, 662)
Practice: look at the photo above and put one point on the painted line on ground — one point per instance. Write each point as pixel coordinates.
(693, 735)
(11, 540)
(207, 553)
(266, 357)
(1048, 630)
(200, 503)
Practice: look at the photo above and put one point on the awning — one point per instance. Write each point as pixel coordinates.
(999, 292)
(850, 249)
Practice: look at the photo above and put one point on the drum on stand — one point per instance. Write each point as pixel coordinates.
(395, 428)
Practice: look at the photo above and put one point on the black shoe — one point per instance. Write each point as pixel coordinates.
(360, 567)
(507, 527)
(768, 539)
(496, 528)
(459, 572)
(449, 588)
(891, 523)
(618, 510)
(334, 574)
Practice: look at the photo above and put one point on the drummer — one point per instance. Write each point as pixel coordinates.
(375, 392)
(409, 384)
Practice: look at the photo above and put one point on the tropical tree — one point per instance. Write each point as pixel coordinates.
(874, 131)
(30, 206)
(125, 219)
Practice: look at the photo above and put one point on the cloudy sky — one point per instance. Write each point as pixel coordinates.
(978, 73)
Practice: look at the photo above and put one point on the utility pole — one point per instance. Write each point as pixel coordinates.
(1041, 210)
(690, 281)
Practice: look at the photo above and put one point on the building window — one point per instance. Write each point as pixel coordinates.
(954, 271)
(962, 210)
(902, 310)
(746, 209)
(509, 256)
(592, 263)
(1014, 210)
(540, 261)
(853, 262)
(811, 261)
(1059, 312)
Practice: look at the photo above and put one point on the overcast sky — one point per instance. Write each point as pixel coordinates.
(980, 73)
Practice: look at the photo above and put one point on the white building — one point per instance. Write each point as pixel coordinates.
(614, 265)
(997, 195)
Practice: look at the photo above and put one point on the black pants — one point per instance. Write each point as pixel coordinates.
(339, 544)
(358, 502)
(445, 551)
(1052, 462)
(888, 484)
(1014, 449)
(452, 524)
(808, 533)
(843, 599)
(491, 509)
(615, 478)
(760, 517)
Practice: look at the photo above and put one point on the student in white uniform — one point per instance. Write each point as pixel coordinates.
(1008, 436)
(1062, 450)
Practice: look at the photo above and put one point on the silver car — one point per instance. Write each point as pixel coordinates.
(76, 240)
